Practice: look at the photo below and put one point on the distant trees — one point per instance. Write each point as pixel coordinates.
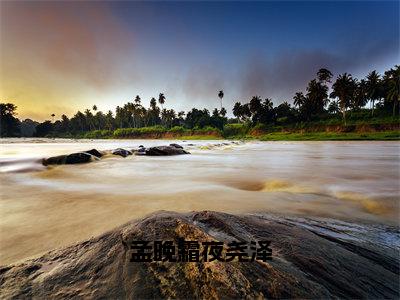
(9, 123)
(322, 98)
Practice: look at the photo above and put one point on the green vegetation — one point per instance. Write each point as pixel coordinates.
(347, 108)
(330, 136)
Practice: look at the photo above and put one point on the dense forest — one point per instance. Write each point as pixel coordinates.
(324, 100)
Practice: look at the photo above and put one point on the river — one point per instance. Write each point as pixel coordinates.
(43, 208)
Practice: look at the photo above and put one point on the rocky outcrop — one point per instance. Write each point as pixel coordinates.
(95, 152)
(121, 152)
(176, 146)
(164, 150)
(311, 258)
(74, 158)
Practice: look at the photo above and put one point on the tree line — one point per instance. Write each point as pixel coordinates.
(322, 99)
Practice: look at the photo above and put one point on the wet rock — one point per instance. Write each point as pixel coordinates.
(95, 153)
(176, 146)
(121, 152)
(164, 150)
(140, 151)
(74, 158)
(311, 258)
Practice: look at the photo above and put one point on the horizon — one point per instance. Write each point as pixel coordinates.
(188, 51)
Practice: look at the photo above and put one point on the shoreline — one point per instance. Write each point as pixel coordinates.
(391, 135)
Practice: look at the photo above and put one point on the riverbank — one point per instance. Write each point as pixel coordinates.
(331, 136)
(241, 131)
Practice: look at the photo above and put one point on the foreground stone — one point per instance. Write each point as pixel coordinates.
(312, 258)
(74, 158)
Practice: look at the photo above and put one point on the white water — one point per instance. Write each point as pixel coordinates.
(47, 207)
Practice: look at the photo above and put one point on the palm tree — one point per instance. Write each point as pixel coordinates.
(221, 95)
(343, 89)
(373, 85)
(137, 99)
(360, 95)
(109, 120)
(317, 94)
(89, 117)
(52, 117)
(223, 112)
(298, 99)
(161, 100)
(237, 110)
(392, 83)
(324, 75)
(153, 103)
(95, 118)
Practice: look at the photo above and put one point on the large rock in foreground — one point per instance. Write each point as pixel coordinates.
(312, 258)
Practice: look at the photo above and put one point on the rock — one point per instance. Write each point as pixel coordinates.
(74, 158)
(141, 151)
(95, 152)
(311, 258)
(121, 152)
(176, 146)
(164, 150)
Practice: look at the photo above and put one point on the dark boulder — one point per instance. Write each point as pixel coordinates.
(121, 152)
(95, 152)
(70, 159)
(176, 146)
(165, 150)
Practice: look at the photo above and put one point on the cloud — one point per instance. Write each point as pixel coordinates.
(81, 40)
(201, 84)
(283, 75)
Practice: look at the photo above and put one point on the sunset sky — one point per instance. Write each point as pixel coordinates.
(60, 57)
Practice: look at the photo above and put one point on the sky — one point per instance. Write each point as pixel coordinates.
(61, 57)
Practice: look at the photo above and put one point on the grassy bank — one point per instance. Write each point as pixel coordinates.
(330, 136)
(374, 129)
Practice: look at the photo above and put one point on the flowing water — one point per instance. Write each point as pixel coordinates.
(42, 208)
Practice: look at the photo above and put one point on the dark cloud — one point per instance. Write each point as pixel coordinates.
(201, 85)
(289, 72)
